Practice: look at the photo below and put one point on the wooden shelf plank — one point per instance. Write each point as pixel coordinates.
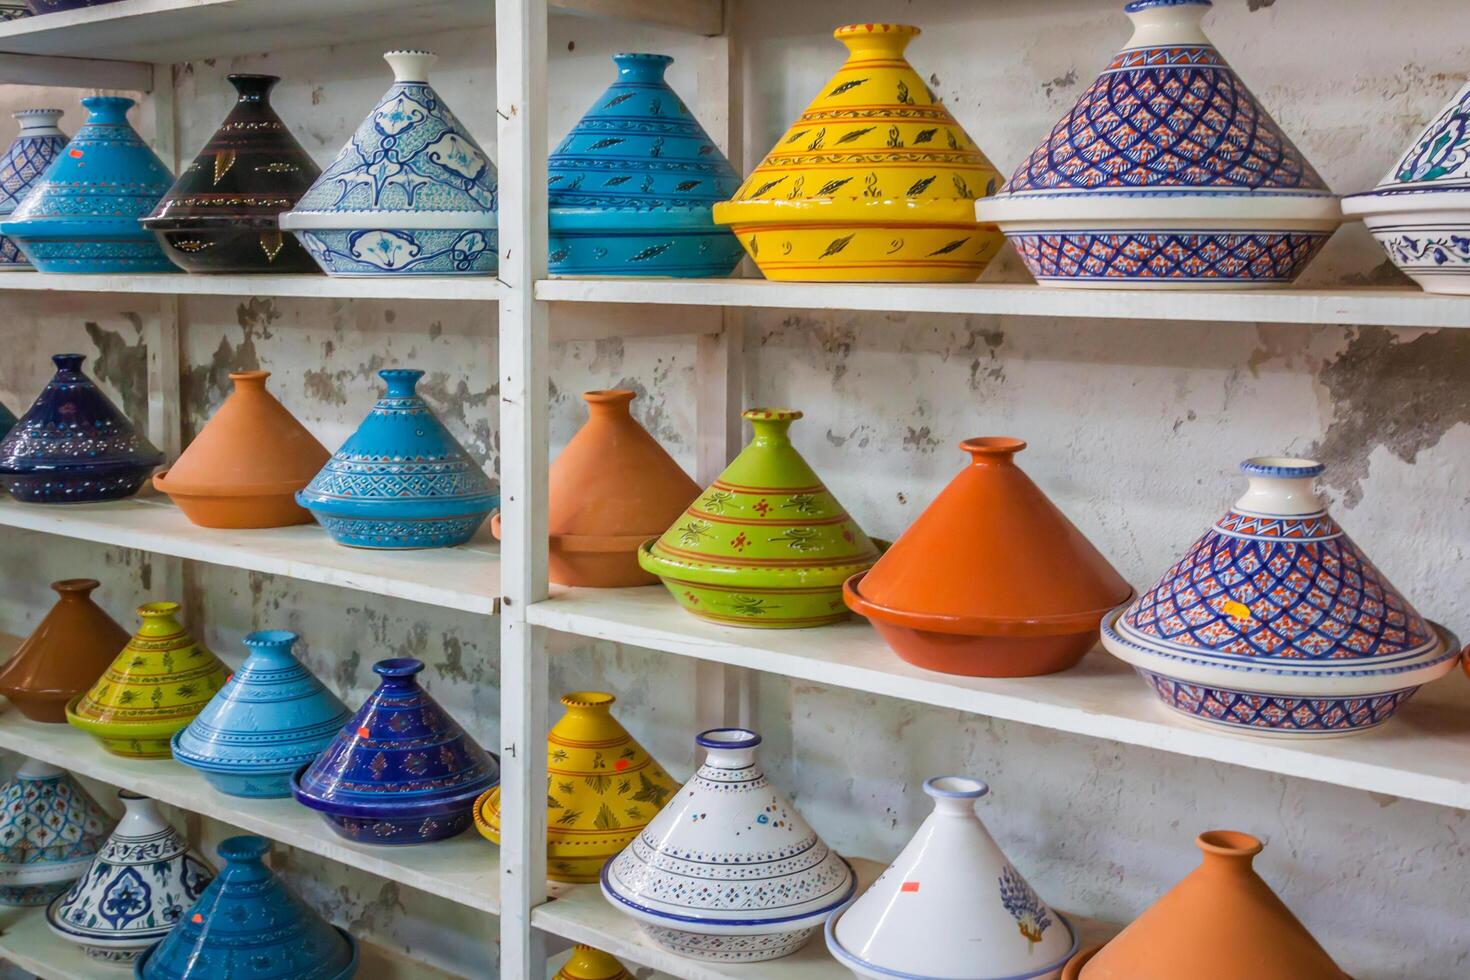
(463, 288)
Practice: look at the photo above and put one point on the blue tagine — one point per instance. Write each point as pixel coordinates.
(401, 771)
(74, 445)
(82, 215)
(37, 144)
(50, 830)
(632, 184)
(249, 926)
(271, 718)
(411, 193)
(401, 480)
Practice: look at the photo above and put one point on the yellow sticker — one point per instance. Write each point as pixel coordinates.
(1235, 610)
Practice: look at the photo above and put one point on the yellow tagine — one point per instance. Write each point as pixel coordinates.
(602, 789)
(588, 963)
(876, 182)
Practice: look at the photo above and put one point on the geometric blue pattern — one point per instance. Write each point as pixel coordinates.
(1178, 256)
(1275, 713)
(25, 161)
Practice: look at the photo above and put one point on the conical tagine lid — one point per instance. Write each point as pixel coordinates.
(1432, 174)
(951, 905)
(27, 158)
(65, 653)
(587, 963)
(50, 829)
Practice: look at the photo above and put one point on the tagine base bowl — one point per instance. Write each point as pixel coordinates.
(753, 948)
(32, 896)
(1432, 248)
(676, 243)
(234, 250)
(71, 488)
(236, 511)
(140, 965)
(148, 741)
(401, 534)
(375, 253)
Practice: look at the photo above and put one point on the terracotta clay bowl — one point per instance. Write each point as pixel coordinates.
(593, 561)
(242, 507)
(1465, 661)
(1073, 969)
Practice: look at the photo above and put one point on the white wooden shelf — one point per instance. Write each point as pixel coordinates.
(465, 578)
(1423, 753)
(474, 288)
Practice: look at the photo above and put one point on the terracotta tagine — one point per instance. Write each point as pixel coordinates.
(1222, 920)
(244, 468)
(992, 580)
(767, 544)
(50, 829)
(875, 182)
(73, 445)
(588, 963)
(159, 682)
(1166, 173)
(222, 214)
(35, 146)
(602, 790)
(61, 658)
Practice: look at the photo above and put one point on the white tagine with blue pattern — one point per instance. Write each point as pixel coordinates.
(1276, 623)
(411, 193)
(50, 830)
(728, 871)
(35, 146)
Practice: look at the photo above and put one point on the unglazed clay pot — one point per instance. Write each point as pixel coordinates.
(50, 829)
(588, 963)
(34, 147)
(61, 658)
(244, 468)
(992, 580)
(1222, 920)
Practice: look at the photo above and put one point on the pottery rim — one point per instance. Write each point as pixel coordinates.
(1064, 624)
(386, 809)
(863, 968)
(140, 964)
(719, 573)
(117, 731)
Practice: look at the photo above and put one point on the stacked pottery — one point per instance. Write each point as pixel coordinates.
(951, 905)
(728, 872)
(271, 718)
(82, 215)
(222, 215)
(244, 468)
(73, 445)
(61, 658)
(1166, 173)
(50, 830)
(1276, 623)
(401, 480)
(135, 890)
(992, 580)
(875, 182)
(248, 925)
(400, 771)
(159, 682)
(602, 790)
(411, 193)
(38, 143)
(588, 963)
(632, 184)
(767, 545)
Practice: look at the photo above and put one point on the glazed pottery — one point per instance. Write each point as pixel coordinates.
(951, 906)
(602, 790)
(1166, 173)
(222, 214)
(400, 771)
(137, 887)
(50, 6)
(248, 925)
(50, 830)
(875, 182)
(1420, 210)
(244, 468)
(1222, 920)
(767, 544)
(411, 193)
(82, 215)
(271, 718)
(401, 480)
(587, 963)
(1275, 623)
(632, 184)
(159, 682)
(35, 146)
(73, 445)
(992, 580)
(61, 658)
(13, 10)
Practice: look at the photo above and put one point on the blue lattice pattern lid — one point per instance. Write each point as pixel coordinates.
(50, 827)
(27, 158)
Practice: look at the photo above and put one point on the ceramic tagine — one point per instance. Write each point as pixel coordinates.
(411, 193)
(588, 963)
(271, 718)
(1275, 623)
(602, 789)
(401, 480)
(248, 925)
(1222, 920)
(61, 658)
(400, 771)
(1420, 210)
(37, 144)
(73, 445)
(1167, 172)
(767, 544)
(159, 682)
(875, 182)
(244, 468)
(50, 6)
(632, 184)
(222, 215)
(82, 215)
(50, 830)
(992, 580)
(951, 905)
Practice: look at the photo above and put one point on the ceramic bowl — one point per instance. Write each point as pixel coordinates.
(141, 969)
(392, 823)
(1426, 236)
(236, 781)
(670, 241)
(203, 246)
(239, 507)
(144, 740)
(361, 246)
